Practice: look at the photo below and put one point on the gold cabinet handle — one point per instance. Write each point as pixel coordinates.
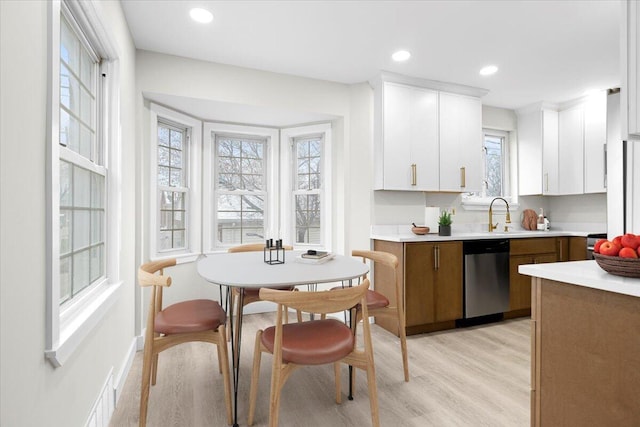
(463, 177)
(546, 182)
(414, 174)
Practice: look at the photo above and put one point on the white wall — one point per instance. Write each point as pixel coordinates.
(351, 132)
(32, 392)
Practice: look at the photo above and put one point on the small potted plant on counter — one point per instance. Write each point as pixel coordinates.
(444, 224)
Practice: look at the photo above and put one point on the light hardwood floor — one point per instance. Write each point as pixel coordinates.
(477, 376)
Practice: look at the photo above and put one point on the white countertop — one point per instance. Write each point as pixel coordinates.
(400, 235)
(583, 273)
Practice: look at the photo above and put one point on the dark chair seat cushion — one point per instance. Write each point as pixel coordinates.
(255, 292)
(374, 299)
(190, 316)
(316, 342)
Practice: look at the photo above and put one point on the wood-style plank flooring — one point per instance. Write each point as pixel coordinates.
(477, 376)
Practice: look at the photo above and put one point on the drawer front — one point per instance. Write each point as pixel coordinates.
(539, 245)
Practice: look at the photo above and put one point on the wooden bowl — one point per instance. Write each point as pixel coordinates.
(420, 230)
(626, 267)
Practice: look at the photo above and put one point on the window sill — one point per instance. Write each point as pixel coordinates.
(483, 203)
(81, 322)
(181, 258)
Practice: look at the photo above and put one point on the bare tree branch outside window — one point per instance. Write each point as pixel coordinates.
(307, 190)
(241, 189)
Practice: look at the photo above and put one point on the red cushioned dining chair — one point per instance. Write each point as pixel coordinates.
(186, 321)
(251, 295)
(379, 301)
(314, 342)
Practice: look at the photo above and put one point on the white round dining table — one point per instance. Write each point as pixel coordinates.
(248, 270)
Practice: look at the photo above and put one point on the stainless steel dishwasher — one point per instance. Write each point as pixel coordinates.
(486, 277)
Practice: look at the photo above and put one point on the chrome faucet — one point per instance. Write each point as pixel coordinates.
(507, 219)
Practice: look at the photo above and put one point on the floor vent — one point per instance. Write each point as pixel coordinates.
(103, 408)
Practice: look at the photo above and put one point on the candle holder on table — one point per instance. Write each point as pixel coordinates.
(273, 252)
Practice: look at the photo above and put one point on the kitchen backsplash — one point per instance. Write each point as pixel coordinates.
(579, 213)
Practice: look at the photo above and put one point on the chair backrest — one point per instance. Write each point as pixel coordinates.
(147, 277)
(388, 260)
(254, 247)
(320, 302)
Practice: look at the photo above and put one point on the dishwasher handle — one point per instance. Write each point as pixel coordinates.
(488, 246)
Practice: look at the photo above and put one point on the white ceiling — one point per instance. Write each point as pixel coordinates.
(546, 50)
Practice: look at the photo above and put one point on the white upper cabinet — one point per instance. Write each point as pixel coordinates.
(460, 143)
(595, 143)
(425, 138)
(571, 150)
(537, 151)
(410, 135)
(630, 71)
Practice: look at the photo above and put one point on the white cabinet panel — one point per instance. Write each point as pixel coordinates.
(595, 143)
(460, 143)
(550, 148)
(410, 138)
(571, 151)
(630, 71)
(537, 151)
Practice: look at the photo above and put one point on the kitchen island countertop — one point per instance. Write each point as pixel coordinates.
(583, 273)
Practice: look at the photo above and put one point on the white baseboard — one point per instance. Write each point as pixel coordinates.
(124, 372)
(102, 410)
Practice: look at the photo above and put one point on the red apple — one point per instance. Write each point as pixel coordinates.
(628, 253)
(618, 241)
(629, 241)
(609, 248)
(596, 247)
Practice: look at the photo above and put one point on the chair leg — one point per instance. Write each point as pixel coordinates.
(255, 377)
(147, 360)
(373, 395)
(276, 387)
(154, 369)
(403, 347)
(336, 369)
(223, 365)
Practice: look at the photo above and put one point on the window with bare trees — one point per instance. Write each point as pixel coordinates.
(307, 192)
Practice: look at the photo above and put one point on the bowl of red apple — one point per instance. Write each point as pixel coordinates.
(619, 256)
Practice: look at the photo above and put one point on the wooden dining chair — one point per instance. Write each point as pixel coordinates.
(314, 342)
(388, 287)
(251, 295)
(186, 321)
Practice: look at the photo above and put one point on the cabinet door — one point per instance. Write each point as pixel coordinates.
(530, 153)
(595, 143)
(460, 143)
(577, 248)
(396, 136)
(571, 151)
(563, 249)
(519, 284)
(448, 281)
(419, 283)
(630, 72)
(549, 152)
(410, 138)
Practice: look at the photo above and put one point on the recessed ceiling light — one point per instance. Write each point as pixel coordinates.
(401, 55)
(488, 70)
(201, 15)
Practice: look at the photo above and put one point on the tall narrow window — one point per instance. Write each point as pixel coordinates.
(82, 172)
(494, 161)
(241, 190)
(307, 191)
(173, 188)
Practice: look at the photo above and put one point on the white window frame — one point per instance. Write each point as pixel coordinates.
(287, 205)
(192, 163)
(68, 325)
(271, 219)
(474, 201)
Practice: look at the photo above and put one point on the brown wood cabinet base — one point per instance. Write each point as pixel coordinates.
(525, 312)
(585, 356)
